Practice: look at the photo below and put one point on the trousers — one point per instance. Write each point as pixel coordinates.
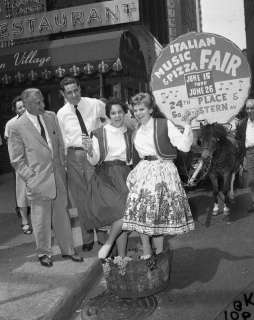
(47, 214)
(79, 173)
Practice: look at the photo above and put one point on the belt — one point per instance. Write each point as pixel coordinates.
(76, 148)
(114, 163)
(150, 158)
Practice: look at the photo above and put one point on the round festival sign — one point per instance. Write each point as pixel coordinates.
(204, 71)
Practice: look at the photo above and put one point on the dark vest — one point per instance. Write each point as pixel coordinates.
(100, 134)
(163, 146)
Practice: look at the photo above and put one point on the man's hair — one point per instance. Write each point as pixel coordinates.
(13, 104)
(68, 80)
(27, 93)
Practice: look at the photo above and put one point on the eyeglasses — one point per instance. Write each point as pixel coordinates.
(250, 109)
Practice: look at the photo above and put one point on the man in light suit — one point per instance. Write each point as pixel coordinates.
(37, 154)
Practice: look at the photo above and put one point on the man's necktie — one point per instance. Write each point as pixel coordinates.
(43, 133)
(81, 121)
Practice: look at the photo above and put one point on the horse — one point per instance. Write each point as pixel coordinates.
(222, 152)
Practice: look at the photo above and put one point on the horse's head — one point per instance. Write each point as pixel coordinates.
(210, 136)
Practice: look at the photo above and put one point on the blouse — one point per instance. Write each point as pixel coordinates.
(144, 139)
(116, 146)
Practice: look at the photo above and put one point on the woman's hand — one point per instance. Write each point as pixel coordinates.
(87, 143)
(190, 115)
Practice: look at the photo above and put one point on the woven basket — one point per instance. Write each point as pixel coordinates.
(137, 278)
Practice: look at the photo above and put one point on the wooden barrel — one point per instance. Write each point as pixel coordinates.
(135, 278)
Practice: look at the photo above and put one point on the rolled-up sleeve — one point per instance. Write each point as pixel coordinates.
(100, 108)
(181, 141)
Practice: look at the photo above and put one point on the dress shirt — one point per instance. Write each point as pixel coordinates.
(35, 122)
(249, 141)
(8, 126)
(144, 139)
(116, 146)
(91, 111)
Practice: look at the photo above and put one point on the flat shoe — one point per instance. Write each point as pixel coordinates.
(26, 229)
(73, 257)
(87, 246)
(46, 261)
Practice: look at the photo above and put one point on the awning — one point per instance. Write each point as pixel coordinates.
(99, 51)
(149, 45)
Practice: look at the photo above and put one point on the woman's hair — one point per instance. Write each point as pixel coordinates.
(113, 101)
(13, 104)
(148, 100)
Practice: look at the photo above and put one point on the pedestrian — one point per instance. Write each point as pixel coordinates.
(37, 154)
(157, 204)
(110, 151)
(22, 203)
(245, 135)
(79, 115)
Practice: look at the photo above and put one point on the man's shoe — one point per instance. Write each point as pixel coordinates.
(87, 246)
(74, 257)
(45, 261)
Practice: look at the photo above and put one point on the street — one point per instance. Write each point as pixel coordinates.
(211, 267)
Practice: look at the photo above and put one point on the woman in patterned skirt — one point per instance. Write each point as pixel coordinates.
(110, 151)
(157, 204)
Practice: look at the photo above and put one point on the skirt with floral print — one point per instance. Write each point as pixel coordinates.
(157, 203)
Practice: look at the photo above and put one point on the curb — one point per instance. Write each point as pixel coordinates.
(64, 309)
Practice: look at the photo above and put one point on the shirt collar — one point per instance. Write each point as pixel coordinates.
(31, 116)
(111, 128)
(148, 125)
(72, 105)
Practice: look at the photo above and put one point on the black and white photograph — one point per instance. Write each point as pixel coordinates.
(126, 160)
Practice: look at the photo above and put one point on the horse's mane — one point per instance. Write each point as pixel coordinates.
(225, 154)
(215, 129)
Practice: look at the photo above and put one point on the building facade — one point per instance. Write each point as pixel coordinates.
(110, 46)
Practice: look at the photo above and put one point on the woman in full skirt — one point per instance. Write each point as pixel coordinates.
(109, 151)
(157, 204)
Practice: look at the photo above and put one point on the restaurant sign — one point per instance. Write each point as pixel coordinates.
(69, 19)
(204, 71)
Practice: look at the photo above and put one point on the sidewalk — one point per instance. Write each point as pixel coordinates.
(29, 291)
(220, 256)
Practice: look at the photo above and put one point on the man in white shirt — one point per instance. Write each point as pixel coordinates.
(37, 153)
(79, 115)
(21, 198)
(245, 134)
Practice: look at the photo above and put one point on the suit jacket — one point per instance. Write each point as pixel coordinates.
(240, 135)
(32, 158)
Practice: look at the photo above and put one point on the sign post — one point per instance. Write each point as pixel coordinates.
(204, 71)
